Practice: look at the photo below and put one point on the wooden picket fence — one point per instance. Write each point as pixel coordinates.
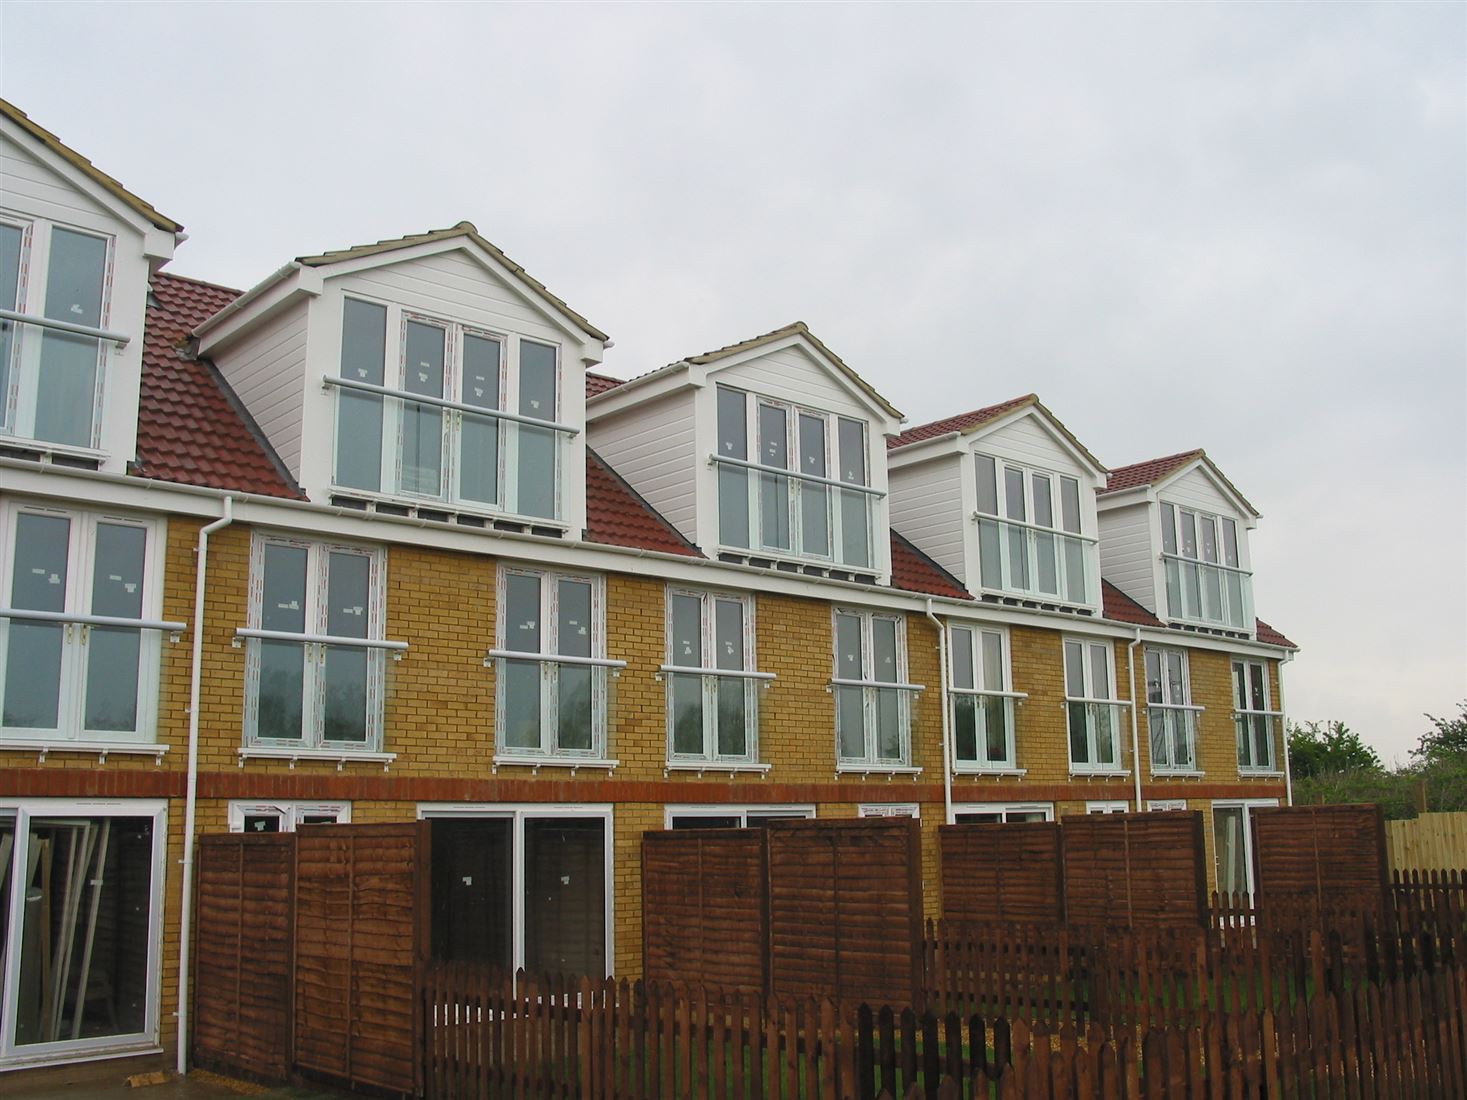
(492, 1035)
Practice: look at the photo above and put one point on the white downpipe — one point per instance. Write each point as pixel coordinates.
(1135, 721)
(201, 575)
(947, 734)
(1284, 733)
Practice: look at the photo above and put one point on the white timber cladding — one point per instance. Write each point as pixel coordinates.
(925, 508)
(793, 375)
(1195, 490)
(1128, 550)
(39, 190)
(267, 371)
(654, 447)
(1028, 442)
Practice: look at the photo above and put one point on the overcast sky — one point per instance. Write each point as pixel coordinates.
(1239, 226)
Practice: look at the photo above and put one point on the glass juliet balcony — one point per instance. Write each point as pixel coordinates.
(59, 371)
(983, 730)
(1257, 735)
(554, 707)
(1097, 735)
(787, 514)
(1173, 730)
(399, 444)
(1038, 562)
(1202, 592)
(713, 715)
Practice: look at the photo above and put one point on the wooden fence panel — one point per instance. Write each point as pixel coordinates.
(1323, 857)
(359, 893)
(1431, 842)
(845, 909)
(1002, 872)
(242, 954)
(703, 908)
(1134, 869)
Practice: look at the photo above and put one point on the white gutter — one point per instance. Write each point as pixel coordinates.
(1135, 721)
(1284, 732)
(947, 737)
(201, 573)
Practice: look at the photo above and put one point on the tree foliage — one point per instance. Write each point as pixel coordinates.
(1325, 748)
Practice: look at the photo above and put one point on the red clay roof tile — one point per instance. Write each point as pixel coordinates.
(961, 422)
(599, 383)
(914, 571)
(1148, 472)
(191, 429)
(616, 515)
(1118, 606)
(1269, 636)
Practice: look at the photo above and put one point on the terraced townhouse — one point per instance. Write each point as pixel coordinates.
(374, 541)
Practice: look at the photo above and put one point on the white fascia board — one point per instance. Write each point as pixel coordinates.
(1081, 459)
(648, 387)
(1245, 513)
(592, 349)
(939, 446)
(1137, 494)
(875, 413)
(158, 243)
(88, 488)
(291, 284)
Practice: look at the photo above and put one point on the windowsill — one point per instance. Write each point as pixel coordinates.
(1176, 773)
(451, 508)
(43, 447)
(1017, 773)
(138, 1049)
(535, 763)
(1259, 773)
(799, 562)
(102, 749)
(341, 757)
(1099, 773)
(865, 771)
(701, 766)
(1042, 599)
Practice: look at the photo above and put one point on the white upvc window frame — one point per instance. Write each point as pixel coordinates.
(1162, 805)
(19, 396)
(889, 809)
(290, 814)
(549, 752)
(870, 686)
(1007, 811)
(1247, 806)
(1172, 518)
(315, 641)
(1091, 703)
(13, 1056)
(1020, 577)
(518, 814)
(742, 811)
(1107, 806)
(1247, 719)
(454, 408)
(754, 681)
(832, 484)
(1169, 713)
(1000, 696)
(76, 625)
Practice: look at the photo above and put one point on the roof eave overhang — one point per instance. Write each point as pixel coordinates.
(287, 287)
(656, 384)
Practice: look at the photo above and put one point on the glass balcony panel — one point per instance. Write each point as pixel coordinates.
(575, 685)
(1203, 593)
(1172, 738)
(478, 459)
(774, 512)
(733, 505)
(735, 704)
(989, 554)
(888, 725)
(855, 521)
(1255, 741)
(521, 703)
(539, 462)
(1026, 561)
(280, 712)
(965, 728)
(687, 714)
(1095, 740)
(66, 393)
(850, 711)
(346, 672)
(1046, 566)
(794, 516)
(815, 520)
(983, 732)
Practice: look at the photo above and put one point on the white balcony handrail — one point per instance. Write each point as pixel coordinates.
(1206, 564)
(119, 338)
(838, 682)
(551, 658)
(1175, 706)
(991, 694)
(1096, 702)
(319, 639)
(814, 479)
(1038, 528)
(72, 619)
(444, 403)
(1258, 713)
(732, 673)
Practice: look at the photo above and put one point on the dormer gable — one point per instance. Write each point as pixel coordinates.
(1175, 538)
(769, 451)
(427, 375)
(1004, 498)
(76, 251)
